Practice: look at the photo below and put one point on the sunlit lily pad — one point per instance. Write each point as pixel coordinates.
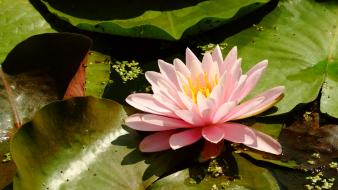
(97, 74)
(81, 144)
(18, 21)
(299, 38)
(150, 19)
(36, 72)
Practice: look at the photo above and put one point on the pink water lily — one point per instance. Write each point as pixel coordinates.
(201, 100)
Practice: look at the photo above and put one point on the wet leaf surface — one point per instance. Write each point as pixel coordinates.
(36, 72)
(81, 144)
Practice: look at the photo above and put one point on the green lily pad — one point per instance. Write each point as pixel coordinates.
(36, 72)
(160, 20)
(81, 144)
(300, 40)
(18, 21)
(251, 177)
(97, 74)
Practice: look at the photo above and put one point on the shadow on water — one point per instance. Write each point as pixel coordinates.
(160, 163)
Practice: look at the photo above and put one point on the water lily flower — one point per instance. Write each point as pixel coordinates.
(202, 99)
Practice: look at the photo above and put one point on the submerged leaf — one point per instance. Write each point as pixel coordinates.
(310, 145)
(249, 177)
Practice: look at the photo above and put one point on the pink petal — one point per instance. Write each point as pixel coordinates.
(217, 95)
(190, 116)
(138, 122)
(151, 122)
(266, 143)
(217, 55)
(169, 72)
(271, 97)
(147, 103)
(205, 107)
(206, 62)
(181, 67)
(239, 133)
(183, 83)
(222, 111)
(236, 70)
(170, 102)
(210, 150)
(213, 133)
(186, 100)
(164, 121)
(224, 86)
(195, 67)
(166, 102)
(261, 65)
(197, 74)
(229, 60)
(243, 109)
(210, 68)
(253, 77)
(184, 138)
(169, 91)
(156, 142)
(232, 78)
(152, 77)
(190, 59)
(234, 96)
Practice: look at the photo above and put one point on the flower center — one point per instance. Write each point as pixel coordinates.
(202, 85)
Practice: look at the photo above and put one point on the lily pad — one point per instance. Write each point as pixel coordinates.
(18, 21)
(41, 71)
(97, 74)
(160, 20)
(37, 71)
(81, 144)
(299, 38)
(250, 177)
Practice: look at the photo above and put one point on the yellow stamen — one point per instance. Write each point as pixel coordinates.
(205, 88)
